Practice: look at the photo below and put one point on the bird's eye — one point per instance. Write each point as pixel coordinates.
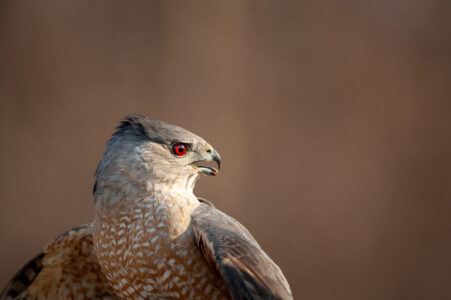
(180, 149)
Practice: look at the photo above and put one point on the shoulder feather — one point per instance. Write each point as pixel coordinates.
(67, 267)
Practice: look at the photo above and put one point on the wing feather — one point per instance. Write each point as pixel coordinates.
(67, 268)
(248, 271)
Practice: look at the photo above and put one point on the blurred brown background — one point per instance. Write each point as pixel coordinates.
(332, 118)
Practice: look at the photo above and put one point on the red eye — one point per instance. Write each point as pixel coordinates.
(180, 149)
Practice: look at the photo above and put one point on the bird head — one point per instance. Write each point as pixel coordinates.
(145, 153)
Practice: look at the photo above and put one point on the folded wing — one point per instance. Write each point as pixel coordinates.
(248, 271)
(67, 268)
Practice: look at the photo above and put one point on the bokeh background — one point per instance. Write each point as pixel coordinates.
(332, 118)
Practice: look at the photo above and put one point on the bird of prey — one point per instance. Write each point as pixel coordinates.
(152, 238)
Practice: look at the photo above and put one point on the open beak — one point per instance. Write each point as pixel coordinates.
(212, 156)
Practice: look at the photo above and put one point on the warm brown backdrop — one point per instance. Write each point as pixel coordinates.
(332, 118)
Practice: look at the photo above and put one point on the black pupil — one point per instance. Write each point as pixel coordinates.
(180, 149)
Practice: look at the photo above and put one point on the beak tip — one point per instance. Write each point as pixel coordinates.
(217, 158)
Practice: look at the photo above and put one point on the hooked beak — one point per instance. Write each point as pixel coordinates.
(212, 156)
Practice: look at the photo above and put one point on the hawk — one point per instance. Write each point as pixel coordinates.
(152, 238)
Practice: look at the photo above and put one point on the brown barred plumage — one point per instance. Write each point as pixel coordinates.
(66, 269)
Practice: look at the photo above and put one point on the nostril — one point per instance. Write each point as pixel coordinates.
(208, 150)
